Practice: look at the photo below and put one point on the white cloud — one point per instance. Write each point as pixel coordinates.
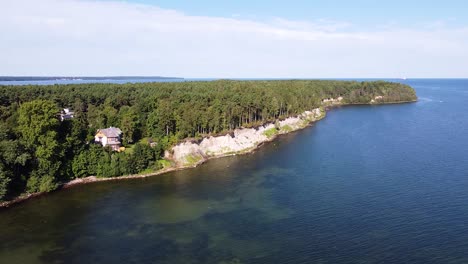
(62, 37)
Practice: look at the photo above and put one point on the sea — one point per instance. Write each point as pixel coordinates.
(367, 184)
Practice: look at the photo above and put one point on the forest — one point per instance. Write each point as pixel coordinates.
(38, 152)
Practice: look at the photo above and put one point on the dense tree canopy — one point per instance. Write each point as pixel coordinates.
(38, 151)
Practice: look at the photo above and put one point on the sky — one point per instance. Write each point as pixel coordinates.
(235, 39)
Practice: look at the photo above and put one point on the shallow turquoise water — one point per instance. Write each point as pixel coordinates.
(367, 184)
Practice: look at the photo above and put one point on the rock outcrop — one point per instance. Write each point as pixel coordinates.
(332, 101)
(243, 140)
(376, 99)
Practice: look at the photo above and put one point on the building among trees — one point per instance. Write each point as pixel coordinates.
(109, 137)
(66, 113)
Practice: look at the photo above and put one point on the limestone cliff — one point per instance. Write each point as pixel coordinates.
(243, 140)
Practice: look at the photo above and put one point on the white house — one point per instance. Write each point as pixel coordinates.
(66, 113)
(109, 137)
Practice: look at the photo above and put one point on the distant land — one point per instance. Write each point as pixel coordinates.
(52, 78)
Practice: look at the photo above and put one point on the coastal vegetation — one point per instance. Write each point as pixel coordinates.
(38, 152)
(271, 132)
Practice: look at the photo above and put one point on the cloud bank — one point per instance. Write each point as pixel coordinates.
(71, 37)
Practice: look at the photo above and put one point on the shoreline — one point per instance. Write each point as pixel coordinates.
(178, 167)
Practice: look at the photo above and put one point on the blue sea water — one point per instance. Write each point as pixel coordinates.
(367, 184)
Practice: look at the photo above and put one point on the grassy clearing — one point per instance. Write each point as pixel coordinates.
(148, 170)
(286, 128)
(164, 163)
(192, 159)
(269, 133)
(129, 149)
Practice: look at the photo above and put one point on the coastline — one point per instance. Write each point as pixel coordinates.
(177, 165)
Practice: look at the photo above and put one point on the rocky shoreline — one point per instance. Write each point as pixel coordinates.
(191, 154)
(243, 140)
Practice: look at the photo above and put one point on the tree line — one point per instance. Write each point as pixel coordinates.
(38, 152)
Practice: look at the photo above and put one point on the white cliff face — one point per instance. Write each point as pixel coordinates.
(184, 151)
(291, 123)
(332, 101)
(376, 99)
(244, 140)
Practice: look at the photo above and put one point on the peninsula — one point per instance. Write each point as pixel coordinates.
(61, 135)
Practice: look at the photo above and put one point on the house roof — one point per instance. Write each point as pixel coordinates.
(111, 132)
(68, 111)
(66, 116)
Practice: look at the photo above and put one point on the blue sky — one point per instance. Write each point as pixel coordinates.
(235, 39)
(362, 12)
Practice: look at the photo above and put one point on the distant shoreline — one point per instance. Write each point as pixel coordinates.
(71, 78)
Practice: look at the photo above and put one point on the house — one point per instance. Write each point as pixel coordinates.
(109, 137)
(66, 113)
(152, 143)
